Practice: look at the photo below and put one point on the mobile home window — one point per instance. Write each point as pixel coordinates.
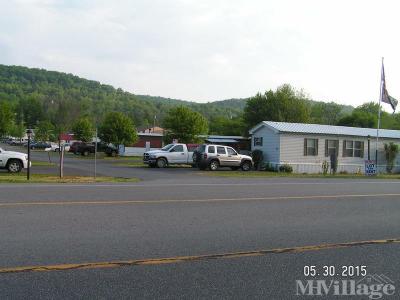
(358, 149)
(258, 141)
(331, 147)
(353, 149)
(310, 147)
(348, 147)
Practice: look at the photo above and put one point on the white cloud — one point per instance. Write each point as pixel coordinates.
(207, 50)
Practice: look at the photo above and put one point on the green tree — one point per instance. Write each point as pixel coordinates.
(44, 131)
(371, 108)
(284, 105)
(83, 129)
(359, 119)
(17, 130)
(118, 129)
(31, 111)
(184, 124)
(6, 118)
(326, 113)
(227, 126)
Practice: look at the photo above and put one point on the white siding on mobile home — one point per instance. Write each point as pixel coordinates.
(285, 143)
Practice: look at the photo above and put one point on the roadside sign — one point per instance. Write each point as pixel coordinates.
(370, 168)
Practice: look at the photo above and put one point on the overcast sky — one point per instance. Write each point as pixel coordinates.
(205, 50)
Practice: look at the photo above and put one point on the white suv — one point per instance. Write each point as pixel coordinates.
(14, 162)
(215, 156)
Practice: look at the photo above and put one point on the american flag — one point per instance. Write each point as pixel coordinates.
(385, 95)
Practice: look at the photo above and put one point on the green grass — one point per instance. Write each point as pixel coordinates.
(42, 164)
(49, 178)
(258, 174)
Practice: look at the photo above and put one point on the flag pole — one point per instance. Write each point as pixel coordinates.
(379, 117)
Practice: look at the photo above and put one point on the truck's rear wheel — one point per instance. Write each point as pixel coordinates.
(161, 163)
(14, 166)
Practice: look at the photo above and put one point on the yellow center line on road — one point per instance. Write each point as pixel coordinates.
(180, 259)
(166, 201)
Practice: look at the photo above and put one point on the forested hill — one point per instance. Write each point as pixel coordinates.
(61, 98)
(39, 95)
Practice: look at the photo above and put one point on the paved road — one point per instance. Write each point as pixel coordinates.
(196, 222)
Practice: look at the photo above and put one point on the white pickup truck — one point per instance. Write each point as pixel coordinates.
(169, 155)
(14, 162)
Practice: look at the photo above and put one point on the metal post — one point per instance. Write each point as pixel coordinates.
(59, 152)
(28, 174)
(95, 156)
(62, 162)
(369, 147)
(379, 118)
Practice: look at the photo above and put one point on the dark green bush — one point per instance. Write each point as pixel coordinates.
(286, 168)
(270, 167)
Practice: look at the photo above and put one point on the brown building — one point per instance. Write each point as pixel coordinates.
(153, 140)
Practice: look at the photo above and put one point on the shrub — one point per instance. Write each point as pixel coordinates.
(258, 157)
(391, 151)
(286, 168)
(269, 167)
(325, 167)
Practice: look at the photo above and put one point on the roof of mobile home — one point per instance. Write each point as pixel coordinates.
(325, 129)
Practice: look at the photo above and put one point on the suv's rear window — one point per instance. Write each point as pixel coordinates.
(202, 148)
(221, 150)
(211, 149)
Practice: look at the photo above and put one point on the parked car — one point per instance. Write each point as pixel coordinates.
(56, 148)
(16, 142)
(40, 145)
(14, 162)
(169, 155)
(86, 148)
(216, 156)
(111, 150)
(74, 147)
